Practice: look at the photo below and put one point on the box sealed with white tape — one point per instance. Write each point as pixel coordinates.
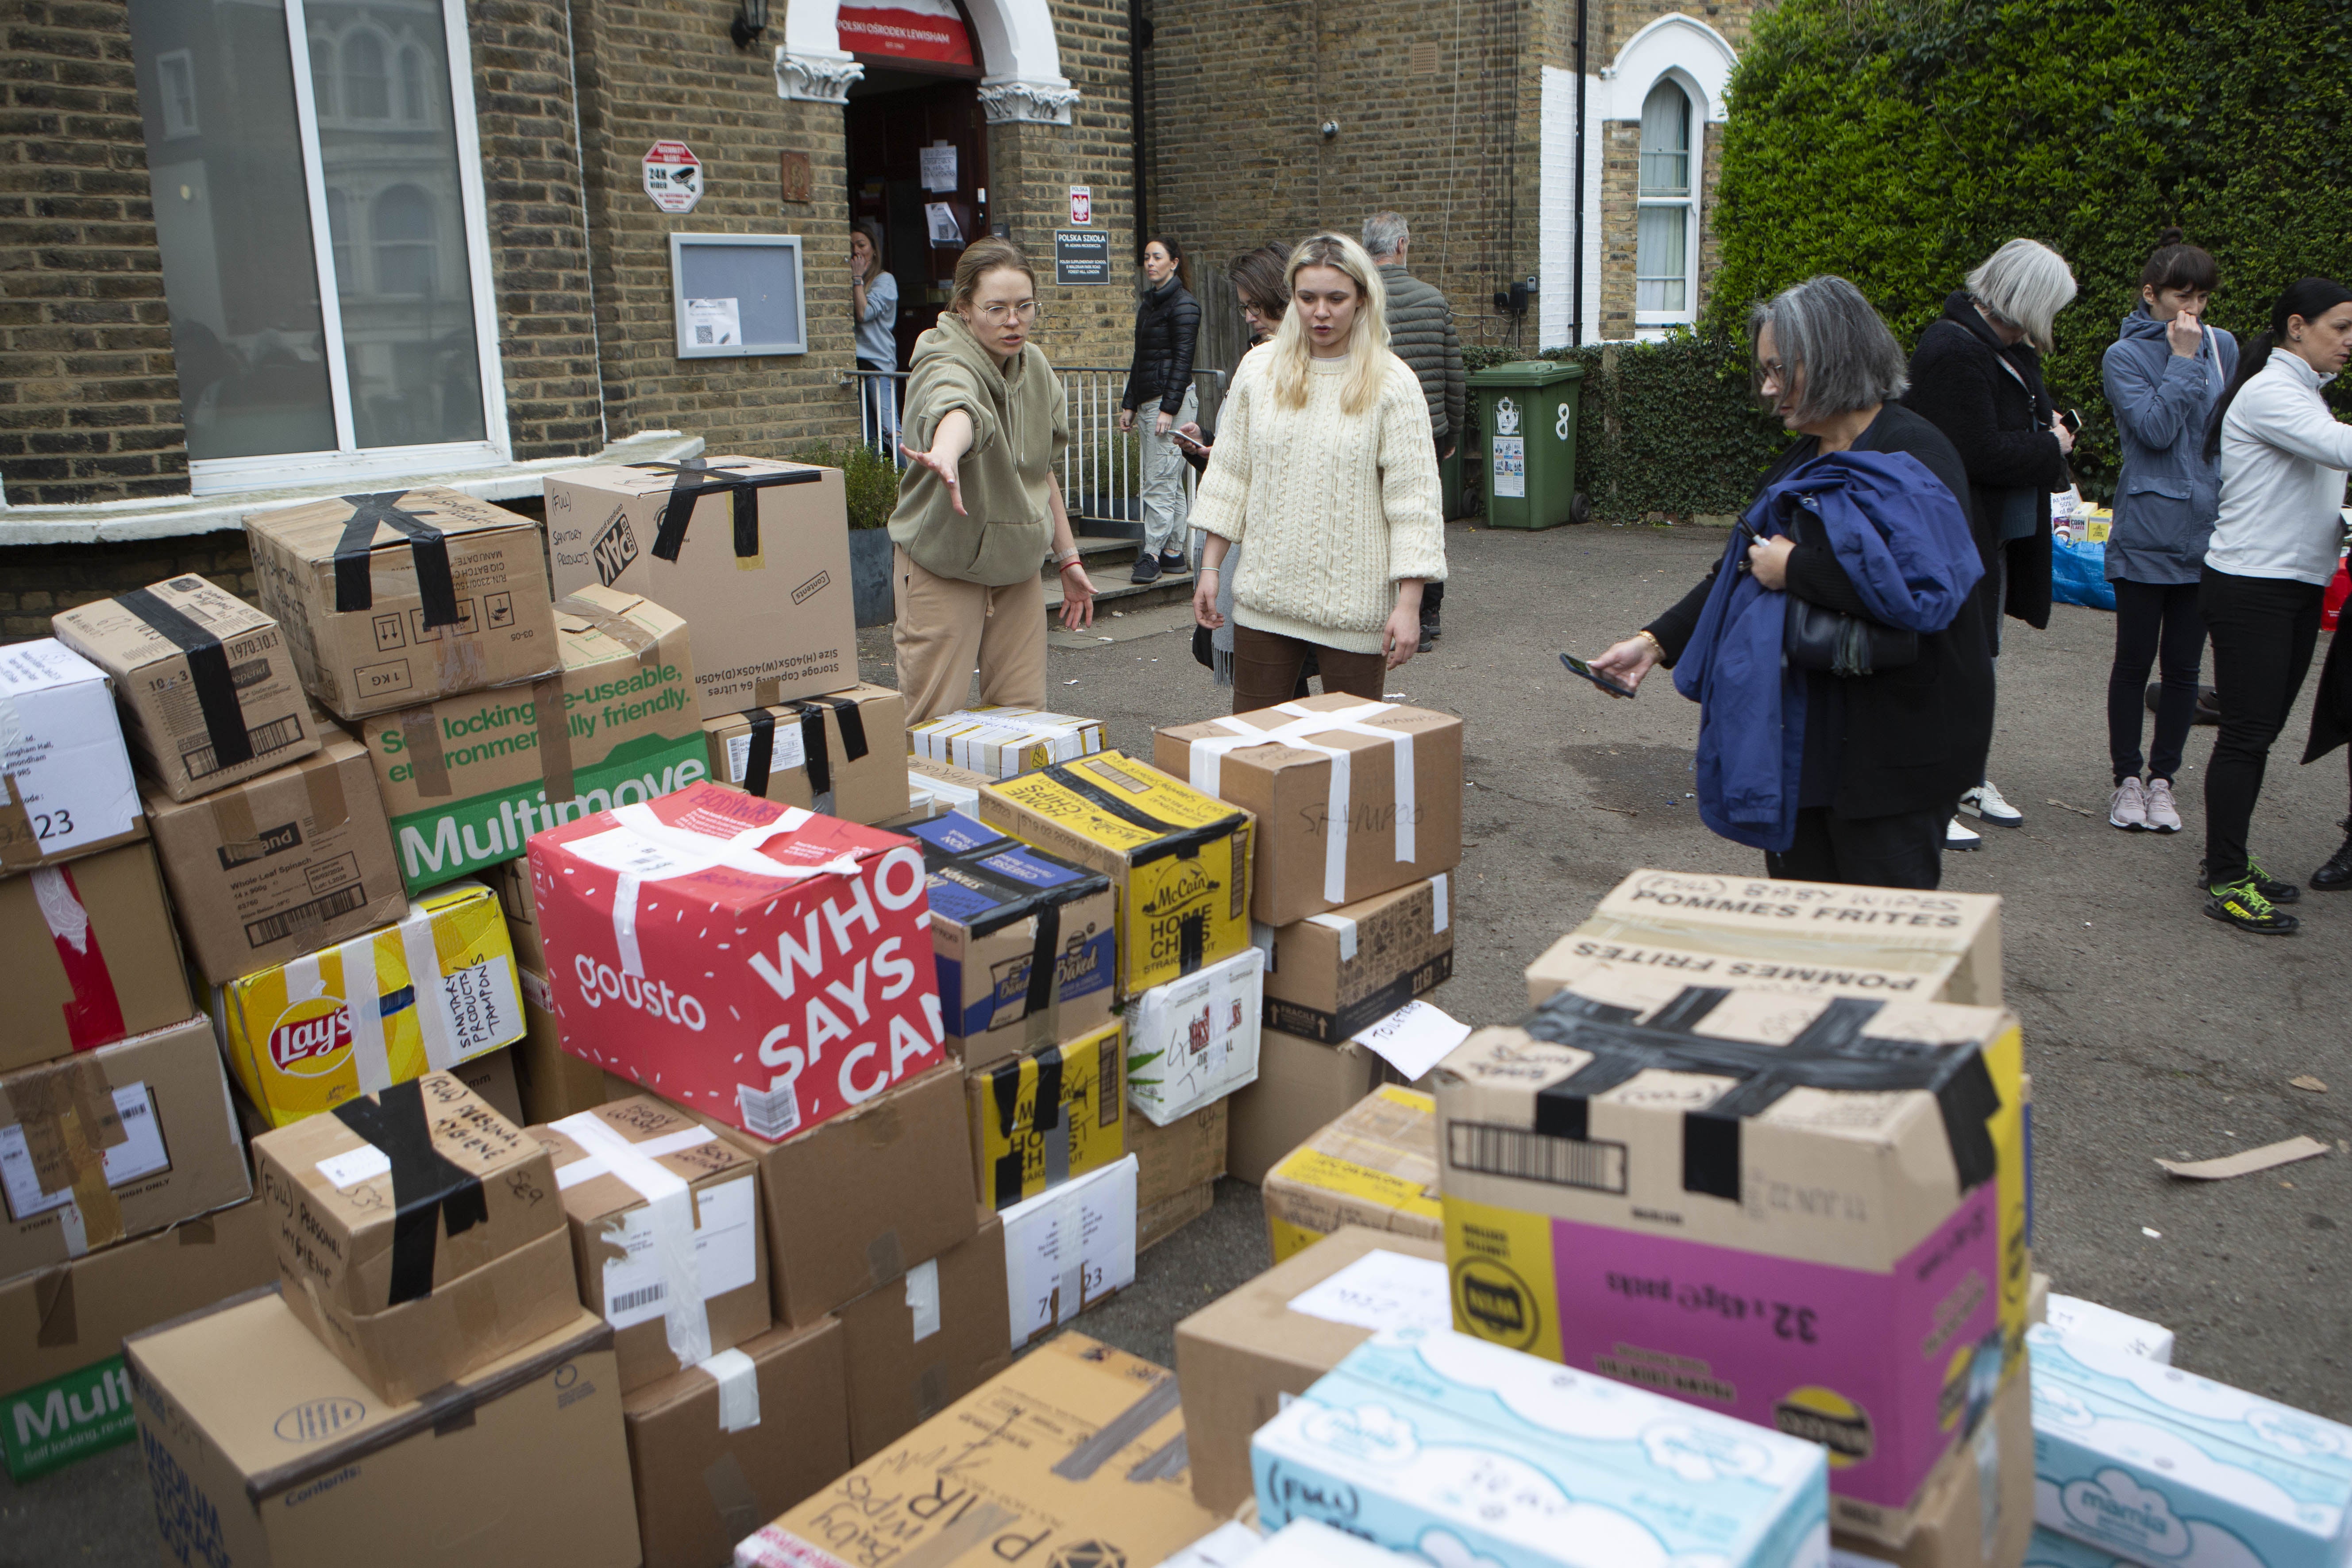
(1433, 1443)
(1192, 1041)
(1069, 1249)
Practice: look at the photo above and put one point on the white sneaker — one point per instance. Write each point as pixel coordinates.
(1985, 804)
(1958, 835)
(2163, 817)
(2128, 809)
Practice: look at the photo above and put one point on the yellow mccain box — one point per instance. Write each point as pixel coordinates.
(436, 988)
(1178, 859)
(1040, 1120)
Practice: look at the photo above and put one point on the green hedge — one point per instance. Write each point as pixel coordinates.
(1899, 143)
(869, 479)
(1663, 430)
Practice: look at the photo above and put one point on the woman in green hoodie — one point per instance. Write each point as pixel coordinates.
(980, 508)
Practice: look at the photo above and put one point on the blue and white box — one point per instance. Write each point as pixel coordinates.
(2048, 1549)
(1466, 1455)
(2158, 1465)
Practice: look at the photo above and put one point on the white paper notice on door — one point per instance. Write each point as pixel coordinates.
(939, 168)
(941, 218)
(713, 323)
(1510, 465)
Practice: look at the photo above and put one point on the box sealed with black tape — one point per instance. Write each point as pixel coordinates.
(1332, 975)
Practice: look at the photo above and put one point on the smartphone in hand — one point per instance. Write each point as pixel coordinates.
(1578, 667)
(1193, 441)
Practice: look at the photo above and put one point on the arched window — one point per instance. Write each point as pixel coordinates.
(322, 77)
(1663, 287)
(416, 86)
(367, 86)
(401, 222)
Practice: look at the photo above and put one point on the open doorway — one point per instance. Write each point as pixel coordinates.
(918, 165)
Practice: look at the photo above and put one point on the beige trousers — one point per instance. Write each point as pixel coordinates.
(946, 628)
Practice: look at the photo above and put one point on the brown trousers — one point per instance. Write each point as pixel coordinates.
(946, 628)
(1266, 667)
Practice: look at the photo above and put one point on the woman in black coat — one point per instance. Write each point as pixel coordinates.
(1158, 398)
(1976, 376)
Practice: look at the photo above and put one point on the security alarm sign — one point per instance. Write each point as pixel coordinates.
(673, 176)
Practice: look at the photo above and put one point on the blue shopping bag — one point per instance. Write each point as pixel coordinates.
(2078, 573)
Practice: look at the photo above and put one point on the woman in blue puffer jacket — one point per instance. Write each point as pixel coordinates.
(2163, 375)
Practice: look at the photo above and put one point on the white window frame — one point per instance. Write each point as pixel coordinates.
(179, 111)
(1689, 315)
(349, 461)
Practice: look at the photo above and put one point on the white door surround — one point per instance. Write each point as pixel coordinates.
(1024, 84)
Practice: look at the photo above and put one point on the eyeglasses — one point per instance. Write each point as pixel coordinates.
(999, 314)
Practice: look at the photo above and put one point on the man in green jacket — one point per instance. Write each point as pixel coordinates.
(1421, 333)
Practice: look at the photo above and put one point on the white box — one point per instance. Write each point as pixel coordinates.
(1461, 1451)
(1194, 1041)
(1005, 742)
(2050, 1549)
(2088, 1319)
(1306, 1544)
(1068, 1247)
(61, 752)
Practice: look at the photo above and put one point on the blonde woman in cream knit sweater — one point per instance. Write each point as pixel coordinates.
(1324, 462)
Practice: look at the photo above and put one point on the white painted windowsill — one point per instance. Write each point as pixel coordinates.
(173, 517)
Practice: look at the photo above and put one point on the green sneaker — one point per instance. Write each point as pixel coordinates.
(2244, 904)
(2270, 887)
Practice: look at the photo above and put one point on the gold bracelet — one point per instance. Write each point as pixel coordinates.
(1656, 647)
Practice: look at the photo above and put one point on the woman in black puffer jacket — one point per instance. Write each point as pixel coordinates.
(1159, 384)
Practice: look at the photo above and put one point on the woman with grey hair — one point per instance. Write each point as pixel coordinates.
(1976, 376)
(1886, 754)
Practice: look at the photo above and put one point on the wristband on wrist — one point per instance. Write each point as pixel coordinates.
(1208, 569)
(1067, 557)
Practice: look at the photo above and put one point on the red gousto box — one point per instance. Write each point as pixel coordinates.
(754, 961)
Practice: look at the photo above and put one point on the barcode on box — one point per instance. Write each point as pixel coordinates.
(274, 736)
(630, 1300)
(772, 1113)
(304, 917)
(1530, 1156)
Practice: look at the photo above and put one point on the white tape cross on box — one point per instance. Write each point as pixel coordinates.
(1207, 758)
(361, 1006)
(669, 1207)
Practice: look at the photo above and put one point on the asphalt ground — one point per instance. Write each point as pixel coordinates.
(2151, 1031)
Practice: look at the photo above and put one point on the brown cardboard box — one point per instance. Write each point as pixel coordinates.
(262, 1448)
(851, 1203)
(66, 786)
(1821, 923)
(492, 1076)
(510, 881)
(1301, 1088)
(295, 861)
(91, 957)
(1376, 1166)
(717, 1449)
(1163, 1219)
(423, 621)
(1186, 1154)
(205, 683)
(1993, 1471)
(1925, 977)
(919, 1343)
(115, 1142)
(1243, 1356)
(553, 1082)
(1071, 1455)
(619, 1196)
(843, 754)
(771, 606)
(57, 1319)
(410, 1308)
(934, 789)
(1331, 975)
(1391, 835)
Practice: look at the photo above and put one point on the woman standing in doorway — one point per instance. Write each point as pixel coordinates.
(1260, 279)
(1158, 398)
(1325, 467)
(980, 507)
(873, 305)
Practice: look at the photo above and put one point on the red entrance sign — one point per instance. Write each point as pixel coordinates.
(912, 29)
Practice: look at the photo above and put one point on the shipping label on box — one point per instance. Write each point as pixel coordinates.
(1003, 742)
(296, 859)
(435, 989)
(91, 957)
(115, 1142)
(1195, 1040)
(1928, 933)
(1442, 1445)
(405, 596)
(742, 958)
(841, 755)
(2159, 1466)
(1038, 1119)
(1351, 798)
(1925, 977)
(1375, 1166)
(1026, 943)
(1069, 1249)
(65, 787)
(1178, 859)
(467, 779)
(205, 683)
(1332, 975)
(756, 550)
(1805, 1211)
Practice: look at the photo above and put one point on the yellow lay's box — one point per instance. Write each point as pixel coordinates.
(436, 988)
(1040, 1118)
(1178, 859)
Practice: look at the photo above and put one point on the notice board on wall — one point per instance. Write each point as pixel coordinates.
(736, 294)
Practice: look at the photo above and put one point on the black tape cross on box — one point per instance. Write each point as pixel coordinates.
(697, 477)
(760, 755)
(428, 546)
(428, 1192)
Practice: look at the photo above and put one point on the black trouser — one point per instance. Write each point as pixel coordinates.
(2264, 631)
(2156, 623)
(1905, 850)
(1432, 594)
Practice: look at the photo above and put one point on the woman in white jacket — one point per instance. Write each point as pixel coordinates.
(2284, 457)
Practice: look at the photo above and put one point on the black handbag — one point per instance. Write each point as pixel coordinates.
(1816, 637)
